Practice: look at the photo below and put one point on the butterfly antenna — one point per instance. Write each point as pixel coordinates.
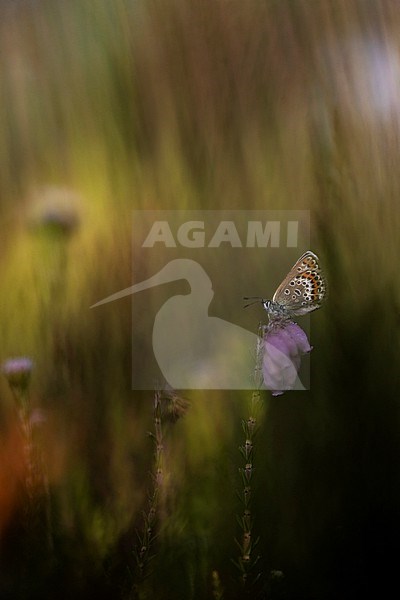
(255, 300)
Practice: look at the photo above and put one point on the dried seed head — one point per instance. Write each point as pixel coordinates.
(17, 371)
(175, 407)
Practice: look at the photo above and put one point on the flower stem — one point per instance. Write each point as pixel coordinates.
(248, 558)
(36, 482)
(147, 536)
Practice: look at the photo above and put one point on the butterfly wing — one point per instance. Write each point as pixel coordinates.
(304, 287)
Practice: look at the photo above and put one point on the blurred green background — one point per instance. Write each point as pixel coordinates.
(107, 107)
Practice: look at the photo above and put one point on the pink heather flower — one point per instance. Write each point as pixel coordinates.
(284, 345)
(17, 371)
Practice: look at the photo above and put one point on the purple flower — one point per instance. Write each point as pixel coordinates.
(284, 345)
(55, 211)
(17, 371)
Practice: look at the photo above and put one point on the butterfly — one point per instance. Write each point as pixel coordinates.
(303, 290)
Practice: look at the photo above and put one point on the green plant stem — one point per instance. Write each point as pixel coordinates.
(248, 557)
(147, 537)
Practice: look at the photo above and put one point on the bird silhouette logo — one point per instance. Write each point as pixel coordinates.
(193, 349)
